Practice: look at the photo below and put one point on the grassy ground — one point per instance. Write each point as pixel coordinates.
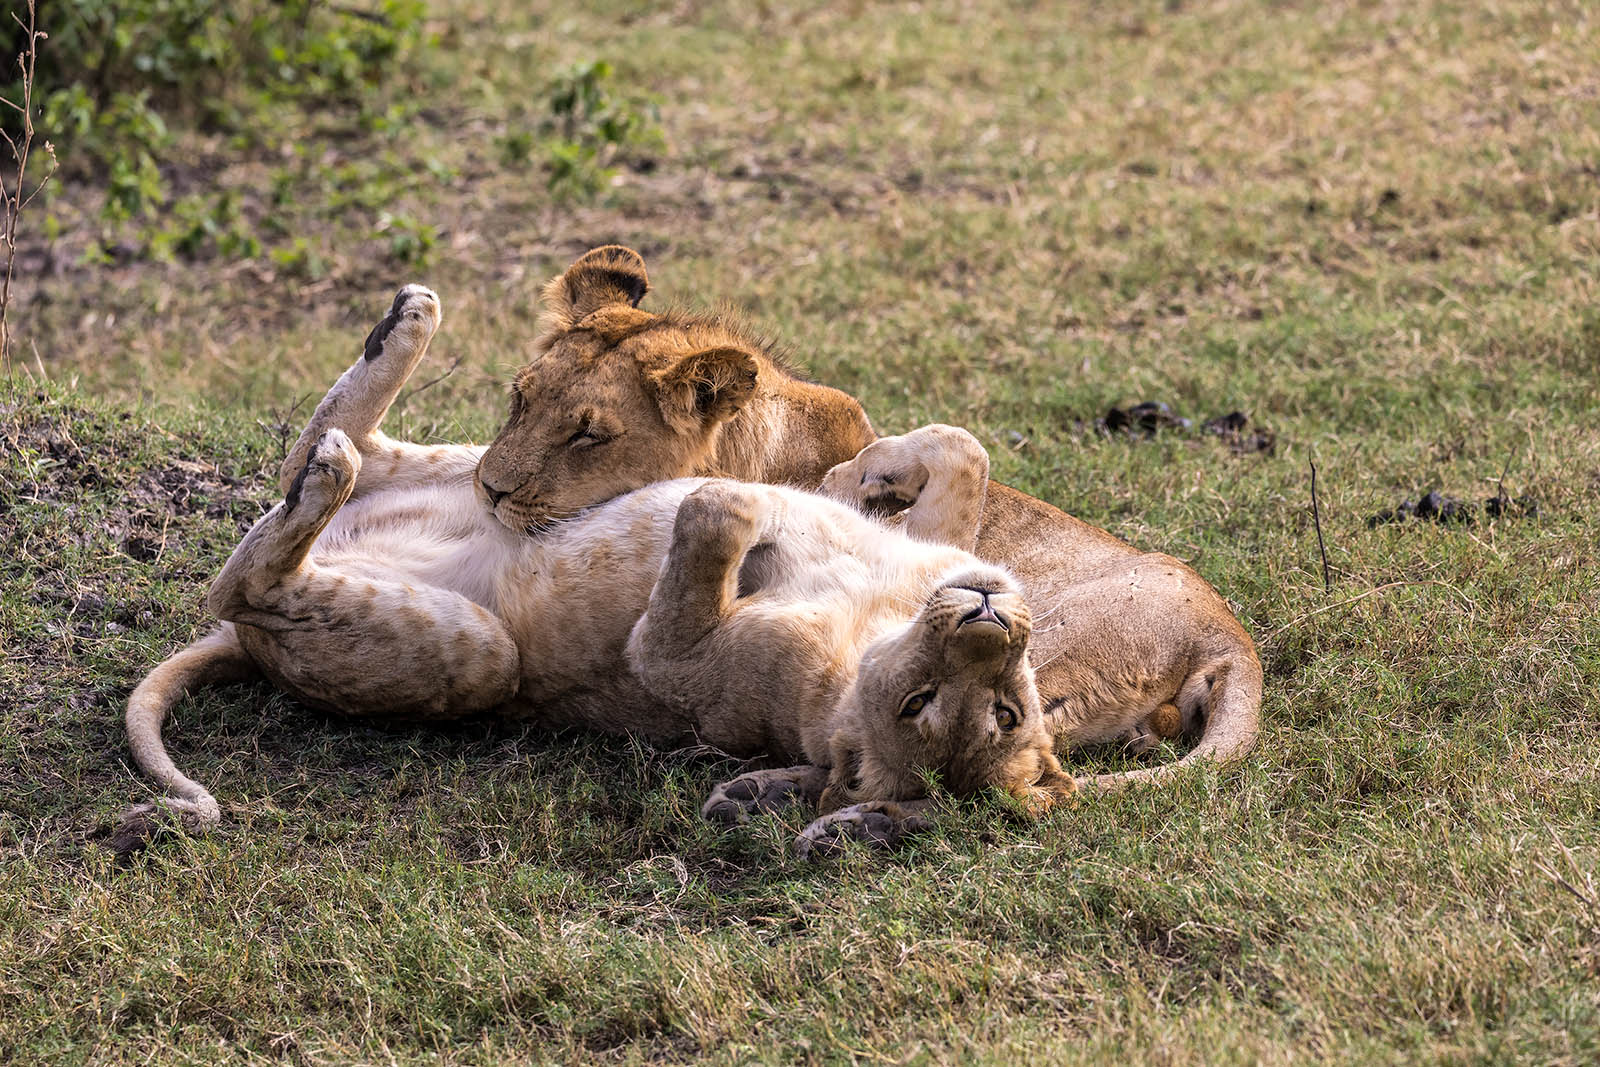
(1372, 226)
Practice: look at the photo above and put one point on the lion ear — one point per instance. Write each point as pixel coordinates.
(705, 387)
(609, 275)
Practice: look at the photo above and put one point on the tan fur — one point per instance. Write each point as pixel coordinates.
(384, 587)
(1125, 638)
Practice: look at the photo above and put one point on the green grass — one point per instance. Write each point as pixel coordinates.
(1373, 226)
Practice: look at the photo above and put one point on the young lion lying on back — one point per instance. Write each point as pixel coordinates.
(783, 623)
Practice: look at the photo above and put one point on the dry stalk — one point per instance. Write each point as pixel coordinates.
(21, 147)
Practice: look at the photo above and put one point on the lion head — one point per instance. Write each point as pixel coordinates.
(951, 693)
(614, 397)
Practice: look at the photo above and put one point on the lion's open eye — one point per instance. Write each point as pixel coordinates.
(1007, 717)
(912, 705)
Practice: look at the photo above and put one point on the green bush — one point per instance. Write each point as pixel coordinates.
(586, 131)
(113, 72)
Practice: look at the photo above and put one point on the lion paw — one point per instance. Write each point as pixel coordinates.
(733, 802)
(414, 314)
(874, 824)
(331, 467)
(884, 478)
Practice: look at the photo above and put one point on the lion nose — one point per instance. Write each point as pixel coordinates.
(985, 612)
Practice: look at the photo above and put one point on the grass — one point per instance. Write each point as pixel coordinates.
(1372, 226)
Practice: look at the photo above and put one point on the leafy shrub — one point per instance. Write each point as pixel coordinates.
(113, 71)
(587, 130)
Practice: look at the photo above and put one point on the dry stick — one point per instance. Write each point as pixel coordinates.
(14, 201)
(1316, 515)
(281, 427)
(409, 393)
(1500, 482)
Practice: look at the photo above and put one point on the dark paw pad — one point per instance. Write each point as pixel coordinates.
(379, 333)
(725, 812)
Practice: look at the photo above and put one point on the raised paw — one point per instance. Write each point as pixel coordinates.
(725, 516)
(883, 478)
(412, 319)
(876, 824)
(735, 801)
(329, 472)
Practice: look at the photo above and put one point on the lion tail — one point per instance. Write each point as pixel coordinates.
(1232, 721)
(216, 659)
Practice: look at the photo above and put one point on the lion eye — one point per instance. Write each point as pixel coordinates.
(516, 403)
(1006, 717)
(913, 704)
(586, 437)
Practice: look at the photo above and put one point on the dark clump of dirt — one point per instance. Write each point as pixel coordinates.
(1234, 429)
(1502, 505)
(1449, 511)
(132, 834)
(1152, 417)
(1147, 418)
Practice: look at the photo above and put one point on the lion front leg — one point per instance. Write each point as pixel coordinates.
(361, 397)
(756, 792)
(716, 525)
(933, 480)
(876, 823)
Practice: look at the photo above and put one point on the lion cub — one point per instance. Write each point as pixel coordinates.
(757, 619)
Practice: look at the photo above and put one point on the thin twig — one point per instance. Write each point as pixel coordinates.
(281, 427)
(14, 200)
(375, 17)
(409, 393)
(1316, 516)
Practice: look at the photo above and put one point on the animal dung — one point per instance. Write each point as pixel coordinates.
(1448, 511)
(1152, 417)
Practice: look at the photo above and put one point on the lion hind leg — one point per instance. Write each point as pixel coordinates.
(277, 545)
(361, 643)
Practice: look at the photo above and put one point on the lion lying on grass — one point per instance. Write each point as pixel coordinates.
(1132, 646)
(782, 624)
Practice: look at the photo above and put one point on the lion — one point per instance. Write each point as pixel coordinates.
(1136, 647)
(757, 619)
